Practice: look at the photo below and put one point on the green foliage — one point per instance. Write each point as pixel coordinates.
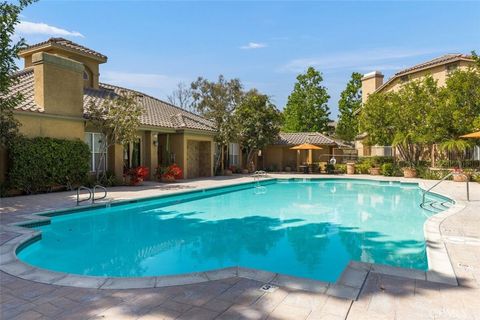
(364, 164)
(457, 147)
(9, 13)
(107, 180)
(476, 177)
(39, 164)
(257, 122)
(476, 58)
(391, 170)
(118, 119)
(429, 174)
(341, 168)
(459, 112)
(217, 102)
(421, 114)
(349, 103)
(403, 118)
(330, 168)
(362, 168)
(307, 109)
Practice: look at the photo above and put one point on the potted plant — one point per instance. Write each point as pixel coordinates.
(288, 169)
(460, 176)
(137, 175)
(410, 171)
(375, 168)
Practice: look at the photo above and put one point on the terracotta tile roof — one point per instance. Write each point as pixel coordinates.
(157, 112)
(24, 86)
(67, 44)
(295, 138)
(437, 61)
(445, 59)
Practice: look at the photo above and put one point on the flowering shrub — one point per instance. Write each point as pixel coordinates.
(170, 173)
(137, 174)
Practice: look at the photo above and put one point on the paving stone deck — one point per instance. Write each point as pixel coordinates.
(382, 296)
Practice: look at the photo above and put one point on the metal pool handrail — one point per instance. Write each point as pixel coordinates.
(443, 179)
(94, 190)
(78, 194)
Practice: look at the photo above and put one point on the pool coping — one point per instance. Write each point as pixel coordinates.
(348, 285)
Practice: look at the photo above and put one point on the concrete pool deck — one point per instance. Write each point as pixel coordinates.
(385, 293)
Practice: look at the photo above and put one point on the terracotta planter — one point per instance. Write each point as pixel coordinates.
(167, 179)
(461, 177)
(375, 171)
(350, 168)
(409, 172)
(227, 172)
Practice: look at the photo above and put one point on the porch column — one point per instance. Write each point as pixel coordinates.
(151, 154)
(115, 160)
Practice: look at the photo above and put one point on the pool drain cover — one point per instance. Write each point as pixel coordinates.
(268, 288)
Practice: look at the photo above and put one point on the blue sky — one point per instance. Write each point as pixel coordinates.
(153, 45)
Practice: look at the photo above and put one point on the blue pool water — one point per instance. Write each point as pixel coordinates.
(305, 228)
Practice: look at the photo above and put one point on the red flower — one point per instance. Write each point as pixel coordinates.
(138, 174)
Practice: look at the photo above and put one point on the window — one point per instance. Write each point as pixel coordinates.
(94, 142)
(451, 67)
(234, 154)
(404, 78)
(132, 155)
(85, 75)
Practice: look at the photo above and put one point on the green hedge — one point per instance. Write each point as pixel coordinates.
(39, 164)
(391, 170)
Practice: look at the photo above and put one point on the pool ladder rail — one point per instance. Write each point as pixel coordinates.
(257, 175)
(91, 193)
(436, 206)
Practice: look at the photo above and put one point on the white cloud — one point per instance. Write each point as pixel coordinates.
(253, 45)
(26, 27)
(359, 60)
(158, 85)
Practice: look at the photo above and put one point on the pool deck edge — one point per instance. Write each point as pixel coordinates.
(348, 285)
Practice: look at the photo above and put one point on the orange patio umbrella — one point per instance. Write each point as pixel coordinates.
(306, 146)
(472, 135)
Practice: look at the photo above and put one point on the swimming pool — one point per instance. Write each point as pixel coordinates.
(302, 227)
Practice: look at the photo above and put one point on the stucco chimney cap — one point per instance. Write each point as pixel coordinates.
(373, 74)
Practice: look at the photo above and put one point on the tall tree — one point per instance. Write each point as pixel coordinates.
(118, 119)
(258, 123)
(307, 108)
(182, 97)
(9, 14)
(217, 102)
(403, 118)
(348, 105)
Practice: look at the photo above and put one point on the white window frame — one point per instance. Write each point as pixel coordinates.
(234, 154)
(92, 137)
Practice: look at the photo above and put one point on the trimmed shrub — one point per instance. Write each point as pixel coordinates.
(341, 168)
(39, 164)
(391, 170)
(362, 168)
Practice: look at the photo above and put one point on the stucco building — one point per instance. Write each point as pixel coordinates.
(279, 155)
(439, 68)
(60, 78)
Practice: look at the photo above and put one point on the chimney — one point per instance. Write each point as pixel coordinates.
(58, 84)
(371, 82)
